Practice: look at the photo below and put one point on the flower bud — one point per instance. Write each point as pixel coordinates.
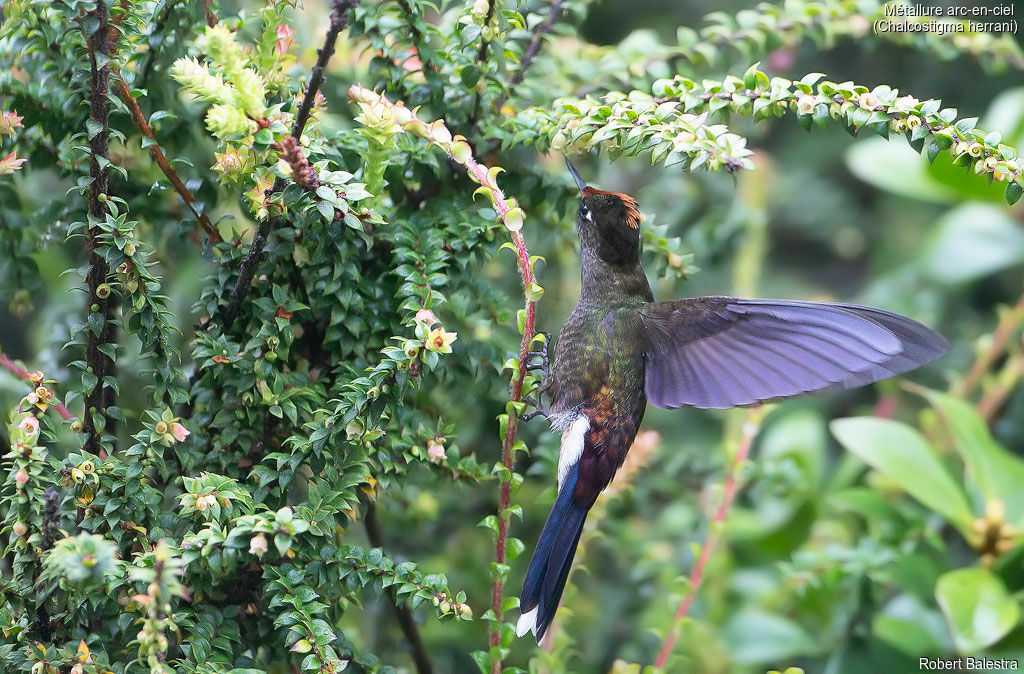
(805, 104)
(435, 450)
(868, 101)
(439, 133)
(161, 427)
(258, 545)
(462, 152)
(19, 529)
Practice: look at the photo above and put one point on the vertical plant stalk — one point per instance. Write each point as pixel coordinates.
(382, 111)
(507, 460)
(420, 655)
(748, 432)
(532, 49)
(34, 379)
(1010, 321)
(100, 364)
(339, 20)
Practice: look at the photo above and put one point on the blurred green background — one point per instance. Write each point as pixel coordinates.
(824, 565)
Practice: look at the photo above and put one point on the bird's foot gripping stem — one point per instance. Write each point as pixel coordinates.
(538, 359)
(538, 408)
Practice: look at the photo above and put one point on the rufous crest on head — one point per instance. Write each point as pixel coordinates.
(633, 215)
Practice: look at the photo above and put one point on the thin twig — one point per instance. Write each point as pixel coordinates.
(339, 19)
(420, 656)
(1010, 321)
(750, 428)
(161, 160)
(539, 31)
(101, 396)
(481, 59)
(1008, 379)
(35, 380)
(211, 16)
(158, 29)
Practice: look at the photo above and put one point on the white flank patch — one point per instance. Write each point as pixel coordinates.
(571, 449)
(527, 622)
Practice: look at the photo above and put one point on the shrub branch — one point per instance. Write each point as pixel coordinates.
(35, 379)
(1008, 324)
(671, 122)
(339, 19)
(100, 396)
(512, 217)
(420, 655)
(161, 160)
(539, 31)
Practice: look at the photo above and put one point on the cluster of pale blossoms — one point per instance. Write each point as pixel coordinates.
(9, 121)
(169, 429)
(438, 339)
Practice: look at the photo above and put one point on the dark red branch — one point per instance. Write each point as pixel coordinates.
(161, 160)
(99, 364)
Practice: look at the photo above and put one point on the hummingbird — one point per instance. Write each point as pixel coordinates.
(620, 350)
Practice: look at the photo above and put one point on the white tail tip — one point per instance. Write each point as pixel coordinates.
(527, 622)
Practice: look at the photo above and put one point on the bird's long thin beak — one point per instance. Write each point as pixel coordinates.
(575, 176)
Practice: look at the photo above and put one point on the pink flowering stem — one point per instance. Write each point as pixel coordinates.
(750, 428)
(13, 368)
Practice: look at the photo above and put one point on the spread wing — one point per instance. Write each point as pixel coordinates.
(721, 352)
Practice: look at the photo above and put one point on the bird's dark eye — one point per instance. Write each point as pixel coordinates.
(584, 212)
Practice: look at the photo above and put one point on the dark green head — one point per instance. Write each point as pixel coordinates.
(608, 224)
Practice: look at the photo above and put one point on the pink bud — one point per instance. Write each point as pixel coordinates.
(21, 477)
(425, 316)
(284, 39)
(19, 529)
(29, 425)
(435, 450)
(258, 545)
(179, 432)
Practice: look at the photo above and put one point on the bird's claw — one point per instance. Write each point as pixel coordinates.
(541, 353)
(538, 411)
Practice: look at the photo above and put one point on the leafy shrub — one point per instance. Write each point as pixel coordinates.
(285, 349)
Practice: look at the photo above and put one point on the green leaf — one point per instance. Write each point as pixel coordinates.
(754, 636)
(977, 607)
(899, 452)
(970, 242)
(896, 168)
(998, 473)
(1013, 192)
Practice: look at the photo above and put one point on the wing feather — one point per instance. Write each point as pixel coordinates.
(721, 352)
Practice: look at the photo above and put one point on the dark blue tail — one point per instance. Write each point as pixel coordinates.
(552, 560)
